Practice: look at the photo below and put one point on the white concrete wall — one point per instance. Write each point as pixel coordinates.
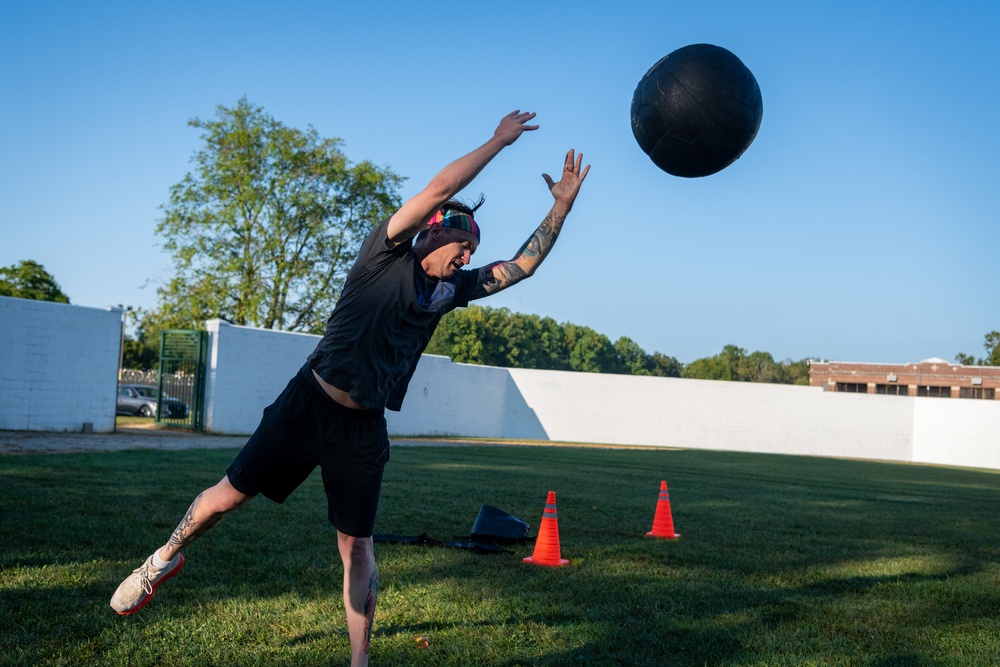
(445, 398)
(247, 369)
(58, 366)
(704, 414)
(250, 367)
(957, 432)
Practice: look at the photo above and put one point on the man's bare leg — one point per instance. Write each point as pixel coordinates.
(360, 593)
(206, 511)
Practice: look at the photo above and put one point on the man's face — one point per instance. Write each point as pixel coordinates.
(447, 250)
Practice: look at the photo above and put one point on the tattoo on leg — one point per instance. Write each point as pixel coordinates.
(188, 530)
(370, 610)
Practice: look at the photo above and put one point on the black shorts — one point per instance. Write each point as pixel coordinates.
(304, 428)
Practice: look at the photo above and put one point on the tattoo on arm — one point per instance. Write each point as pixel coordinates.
(370, 610)
(540, 243)
(498, 276)
(189, 529)
(501, 275)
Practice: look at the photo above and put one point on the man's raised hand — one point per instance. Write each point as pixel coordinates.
(566, 189)
(512, 125)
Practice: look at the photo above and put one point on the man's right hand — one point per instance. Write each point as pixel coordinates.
(512, 125)
(412, 217)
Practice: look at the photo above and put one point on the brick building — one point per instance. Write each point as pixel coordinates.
(930, 377)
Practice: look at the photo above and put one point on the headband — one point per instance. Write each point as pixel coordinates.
(456, 220)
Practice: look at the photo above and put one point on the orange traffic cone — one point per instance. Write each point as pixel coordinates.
(663, 522)
(547, 542)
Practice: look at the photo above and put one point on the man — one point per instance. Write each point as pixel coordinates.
(408, 274)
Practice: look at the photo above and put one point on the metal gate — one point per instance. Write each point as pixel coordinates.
(181, 391)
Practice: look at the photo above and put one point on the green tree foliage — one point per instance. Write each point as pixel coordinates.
(633, 358)
(796, 372)
(497, 337)
(991, 343)
(708, 368)
(589, 351)
(665, 366)
(734, 363)
(29, 280)
(142, 349)
(265, 228)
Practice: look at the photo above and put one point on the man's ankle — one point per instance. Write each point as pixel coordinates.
(158, 562)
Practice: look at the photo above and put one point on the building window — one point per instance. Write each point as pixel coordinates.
(988, 393)
(943, 392)
(853, 387)
(892, 389)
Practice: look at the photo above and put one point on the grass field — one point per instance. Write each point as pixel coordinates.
(782, 561)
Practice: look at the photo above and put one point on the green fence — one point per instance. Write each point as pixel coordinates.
(181, 391)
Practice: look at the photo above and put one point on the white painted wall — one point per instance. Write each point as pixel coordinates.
(957, 432)
(250, 367)
(445, 398)
(247, 369)
(58, 366)
(704, 414)
(58, 370)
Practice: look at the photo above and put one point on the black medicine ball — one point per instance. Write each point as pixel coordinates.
(696, 111)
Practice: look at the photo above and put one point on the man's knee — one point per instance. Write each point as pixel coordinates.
(223, 497)
(356, 550)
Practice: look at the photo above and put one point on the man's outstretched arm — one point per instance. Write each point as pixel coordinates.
(501, 275)
(412, 216)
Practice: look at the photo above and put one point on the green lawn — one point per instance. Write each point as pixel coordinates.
(782, 561)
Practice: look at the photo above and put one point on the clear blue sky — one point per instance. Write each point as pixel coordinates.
(861, 225)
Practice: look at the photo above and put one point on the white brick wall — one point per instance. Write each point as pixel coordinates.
(58, 366)
(622, 409)
(445, 398)
(957, 432)
(247, 370)
(58, 370)
(250, 367)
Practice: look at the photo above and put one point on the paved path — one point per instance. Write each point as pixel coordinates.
(155, 437)
(127, 437)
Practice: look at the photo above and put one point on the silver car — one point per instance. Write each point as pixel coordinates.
(140, 399)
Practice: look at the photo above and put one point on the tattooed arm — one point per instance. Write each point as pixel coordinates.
(501, 275)
(412, 217)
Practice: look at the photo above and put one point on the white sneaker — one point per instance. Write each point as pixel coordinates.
(133, 593)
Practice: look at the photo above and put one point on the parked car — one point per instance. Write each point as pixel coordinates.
(140, 399)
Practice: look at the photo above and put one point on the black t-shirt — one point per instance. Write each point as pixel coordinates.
(383, 320)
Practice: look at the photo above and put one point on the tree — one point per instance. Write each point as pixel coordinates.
(991, 343)
(733, 363)
(497, 337)
(141, 351)
(665, 366)
(266, 227)
(632, 358)
(708, 368)
(29, 280)
(723, 366)
(464, 336)
(589, 351)
(795, 372)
